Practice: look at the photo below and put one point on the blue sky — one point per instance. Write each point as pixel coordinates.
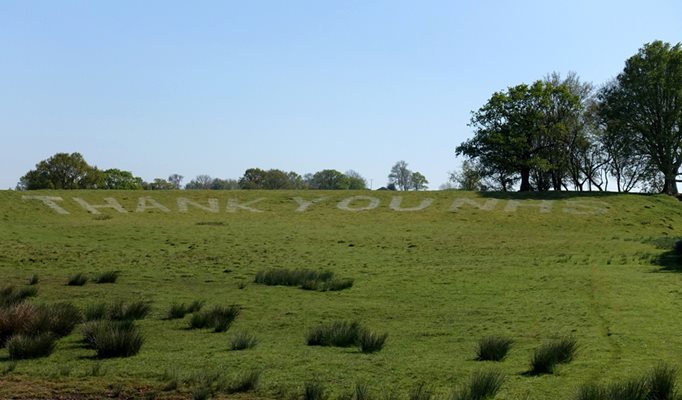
(216, 87)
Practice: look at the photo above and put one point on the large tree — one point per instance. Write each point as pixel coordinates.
(524, 132)
(329, 179)
(644, 106)
(63, 171)
(400, 176)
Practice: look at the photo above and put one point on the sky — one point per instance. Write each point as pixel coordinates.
(216, 87)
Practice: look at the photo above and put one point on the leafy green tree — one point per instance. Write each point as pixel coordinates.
(253, 178)
(175, 180)
(159, 184)
(355, 180)
(418, 181)
(644, 107)
(62, 171)
(522, 132)
(121, 180)
(224, 184)
(329, 179)
(468, 178)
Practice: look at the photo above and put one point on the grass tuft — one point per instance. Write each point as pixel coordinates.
(176, 311)
(132, 311)
(78, 279)
(546, 357)
(34, 279)
(95, 312)
(10, 295)
(22, 347)
(482, 385)
(493, 348)
(421, 391)
(219, 318)
(314, 390)
(243, 340)
(107, 277)
(304, 278)
(246, 382)
(371, 342)
(336, 333)
(113, 338)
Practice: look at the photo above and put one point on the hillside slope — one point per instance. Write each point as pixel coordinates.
(435, 270)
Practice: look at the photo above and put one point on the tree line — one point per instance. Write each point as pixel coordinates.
(565, 134)
(71, 171)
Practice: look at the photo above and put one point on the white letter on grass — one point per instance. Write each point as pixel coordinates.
(183, 204)
(397, 200)
(586, 207)
(94, 208)
(489, 204)
(304, 204)
(373, 203)
(48, 201)
(545, 206)
(147, 203)
(233, 205)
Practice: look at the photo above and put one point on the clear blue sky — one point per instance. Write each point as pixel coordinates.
(215, 87)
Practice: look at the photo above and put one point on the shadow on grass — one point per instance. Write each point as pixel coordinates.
(669, 261)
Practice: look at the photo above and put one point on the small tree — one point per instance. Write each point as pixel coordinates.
(468, 178)
(175, 180)
(418, 181)
(400, 176)
(355, 180)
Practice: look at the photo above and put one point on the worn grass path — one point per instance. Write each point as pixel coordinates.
(436, 280)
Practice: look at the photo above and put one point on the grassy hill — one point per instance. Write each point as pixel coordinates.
(436, 279)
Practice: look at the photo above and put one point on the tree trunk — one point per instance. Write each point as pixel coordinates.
(670, 185)
(525, 180)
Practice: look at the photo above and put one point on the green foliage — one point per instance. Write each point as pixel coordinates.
(62, 171)
(246, 382)
(650, 84)
(329, 179)
(21, 346)
(107, 277)
(78, 279)
(34, 280)
(116, 179)
(121, 311)
(243, 340)
(482, 385)
(493, 348)
(256, 178)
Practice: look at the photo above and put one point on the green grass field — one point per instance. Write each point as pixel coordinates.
(436, 280)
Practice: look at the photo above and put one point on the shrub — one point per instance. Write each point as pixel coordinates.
(23, 347)
(337, 333)
(421, 391)
(482, 385)
(677, 247)
(177, 311)
(493, 348)
(245, 383)
(113, 338)
(242, 341)
(219, 318)
(34, 279)
(546, 357)
(371, 342)
(314, 390)
(107, 277)
(338, 284)
(10, 295)
(78, 279)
